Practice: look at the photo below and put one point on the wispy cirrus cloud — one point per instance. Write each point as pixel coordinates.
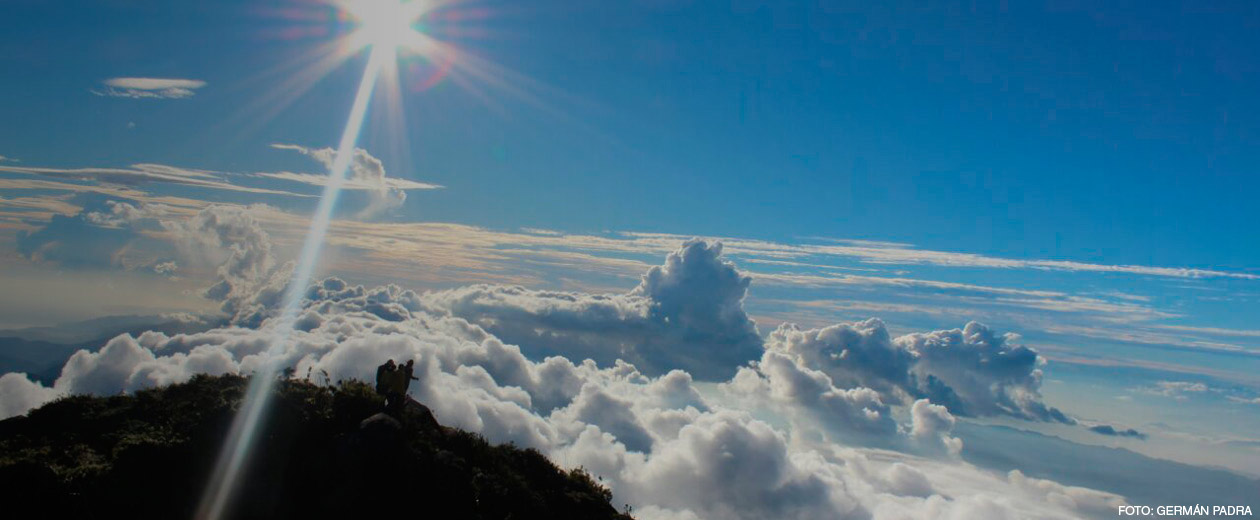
(892, 253)
(1213, 331)
(137, 174)
(368, 174)
(829, 278)
(150, 88)
(350, 184)
(458, 253)
(1176, 389)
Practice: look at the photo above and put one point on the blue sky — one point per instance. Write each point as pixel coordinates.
(1079, 175)
(1008, 132)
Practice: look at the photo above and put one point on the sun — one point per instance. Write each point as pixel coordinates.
(386, 25)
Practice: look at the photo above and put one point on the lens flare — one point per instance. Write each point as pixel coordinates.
(245, 425)
(385, 28)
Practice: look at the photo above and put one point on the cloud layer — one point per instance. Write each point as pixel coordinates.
(138, 174)
(660, 445)
(150, 88)
(686, 314)
(664, 446)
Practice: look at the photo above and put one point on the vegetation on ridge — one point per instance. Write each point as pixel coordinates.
(324, 451)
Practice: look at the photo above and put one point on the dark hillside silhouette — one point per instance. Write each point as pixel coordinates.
(324, 452)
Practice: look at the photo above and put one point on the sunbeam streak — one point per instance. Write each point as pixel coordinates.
(236, 449)
(386, 27)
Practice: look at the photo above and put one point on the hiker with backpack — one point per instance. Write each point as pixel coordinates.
(384, 374)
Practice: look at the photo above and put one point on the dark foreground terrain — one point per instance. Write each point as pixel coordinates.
(324, 452)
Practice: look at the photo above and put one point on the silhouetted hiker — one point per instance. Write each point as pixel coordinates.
(407, 370)
(384, 374)
(395, 385)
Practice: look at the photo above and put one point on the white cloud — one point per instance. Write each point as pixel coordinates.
(1182, 386)
(971, 371)
(228, 240)
(931, 425)
(366, 173)
(166, 268)
(853, 413)
(150, 88)
(975, 371)
(687, 313)
(19, 394)
(231, 238)
(1088, 501)
(1179, 390)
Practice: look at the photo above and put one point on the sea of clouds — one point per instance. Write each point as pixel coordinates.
(667, 392)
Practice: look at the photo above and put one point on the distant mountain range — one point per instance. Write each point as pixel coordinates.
(41, 351)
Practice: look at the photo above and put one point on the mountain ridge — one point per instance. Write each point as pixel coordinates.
(324, 451)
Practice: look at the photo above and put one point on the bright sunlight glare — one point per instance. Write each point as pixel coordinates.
(386, 28)
(387, 25)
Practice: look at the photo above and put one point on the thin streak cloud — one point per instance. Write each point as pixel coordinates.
(150, 88)
(137, 174)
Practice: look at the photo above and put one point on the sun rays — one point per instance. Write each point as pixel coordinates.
(386, 28)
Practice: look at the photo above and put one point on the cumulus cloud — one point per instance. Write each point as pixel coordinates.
(19, 394)
(726, 465)
(166, 268)
(248, 280)
(931, 425)
(226, 238)
(975, 371)
(121, 214)
(150, 88)
(783, 381)
(853, 354)
(366, 173)
(686, 314)
(970, 371)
